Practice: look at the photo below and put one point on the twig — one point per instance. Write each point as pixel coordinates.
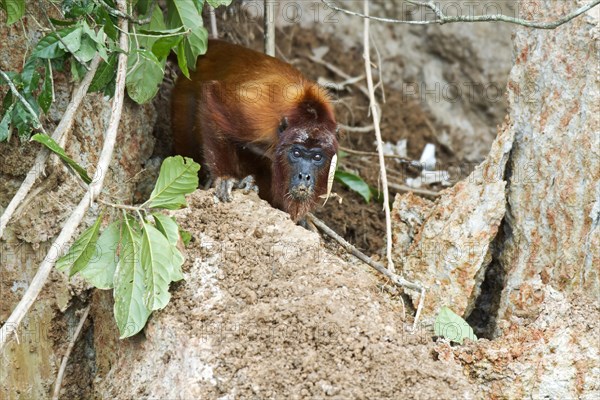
(445, 19)
(338, 72)
(375, 111)
(119, 206)
(269, 27)
(214, 33)
(65, 359)
(396, 279)
(359, 129)
(38, 166)
(41, 276)
(23, 100)
(403, 160)
(404, 188)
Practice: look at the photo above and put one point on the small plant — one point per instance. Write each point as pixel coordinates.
(136, 255)
(452, 327)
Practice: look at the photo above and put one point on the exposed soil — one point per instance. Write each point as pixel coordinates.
(267, 312)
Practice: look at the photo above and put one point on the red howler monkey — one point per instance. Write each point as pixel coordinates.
(245, 116)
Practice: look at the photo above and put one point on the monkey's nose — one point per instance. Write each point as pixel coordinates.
(304, 177)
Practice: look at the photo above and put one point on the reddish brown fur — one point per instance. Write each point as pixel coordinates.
(227, 117)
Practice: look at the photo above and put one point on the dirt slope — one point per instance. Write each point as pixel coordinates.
(266, 312)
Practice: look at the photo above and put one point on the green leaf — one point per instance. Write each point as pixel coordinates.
(55, 148)
(144, 75)
(168, 227)
(78, 71)
(107, 21)
(156, 28)
(22, 119)
(182, 59)
(100, 271)
(81, 251)
(46, 96)
(77, 8)
(130, 310)
(218, 3)
(15, 9)
(355, 183)
(185, 13)
(143, 6)
(177, 177)
(452, 327)
(5, 124)
(185, 236)
(162, 47)
(87, 49)
(156, 258)
(196, 44)
(105, 73)
(51, 47)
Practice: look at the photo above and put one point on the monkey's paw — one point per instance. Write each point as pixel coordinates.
(224, 187)
(248, 184)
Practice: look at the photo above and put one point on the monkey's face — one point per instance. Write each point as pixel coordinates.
(305, 166)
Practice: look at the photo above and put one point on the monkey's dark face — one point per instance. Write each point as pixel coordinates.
(305, 166)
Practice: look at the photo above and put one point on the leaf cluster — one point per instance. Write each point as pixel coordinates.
(136, 255)
(88, 28)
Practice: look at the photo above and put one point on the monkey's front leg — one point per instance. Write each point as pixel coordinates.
(225, 186)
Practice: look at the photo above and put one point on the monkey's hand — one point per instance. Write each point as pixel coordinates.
(224, 187)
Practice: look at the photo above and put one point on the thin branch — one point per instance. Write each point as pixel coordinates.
(269, 21)
(407, 189)
(214, 32)
(65, 125)
(23, 100)
(394, 278)
(403, 160)
(120, 206)
(338, 72)
(65, 359)
(359, 129)
(60, 244)
(445, 19)
(375, 112)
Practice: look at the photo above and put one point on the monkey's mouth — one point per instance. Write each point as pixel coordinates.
(301, 192)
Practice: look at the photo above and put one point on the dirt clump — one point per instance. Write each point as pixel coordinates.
(266, 311)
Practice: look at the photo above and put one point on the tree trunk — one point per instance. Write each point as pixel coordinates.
(540, 296)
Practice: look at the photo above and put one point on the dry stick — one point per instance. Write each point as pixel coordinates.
(269, 27)
(371, 154)
(445, 19)
(404, 188)
(396, 279)
(338, 72)
(15, 92)
(94, 189)
(358, 129)
(38, 166)
(65, 359)
(375, 113)
(214, 33)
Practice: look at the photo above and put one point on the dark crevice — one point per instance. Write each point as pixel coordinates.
(483, 318)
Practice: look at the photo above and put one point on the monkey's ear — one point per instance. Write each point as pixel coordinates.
(283, 125)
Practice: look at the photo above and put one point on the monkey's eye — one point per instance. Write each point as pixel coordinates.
(317, 157)
(296, 153)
